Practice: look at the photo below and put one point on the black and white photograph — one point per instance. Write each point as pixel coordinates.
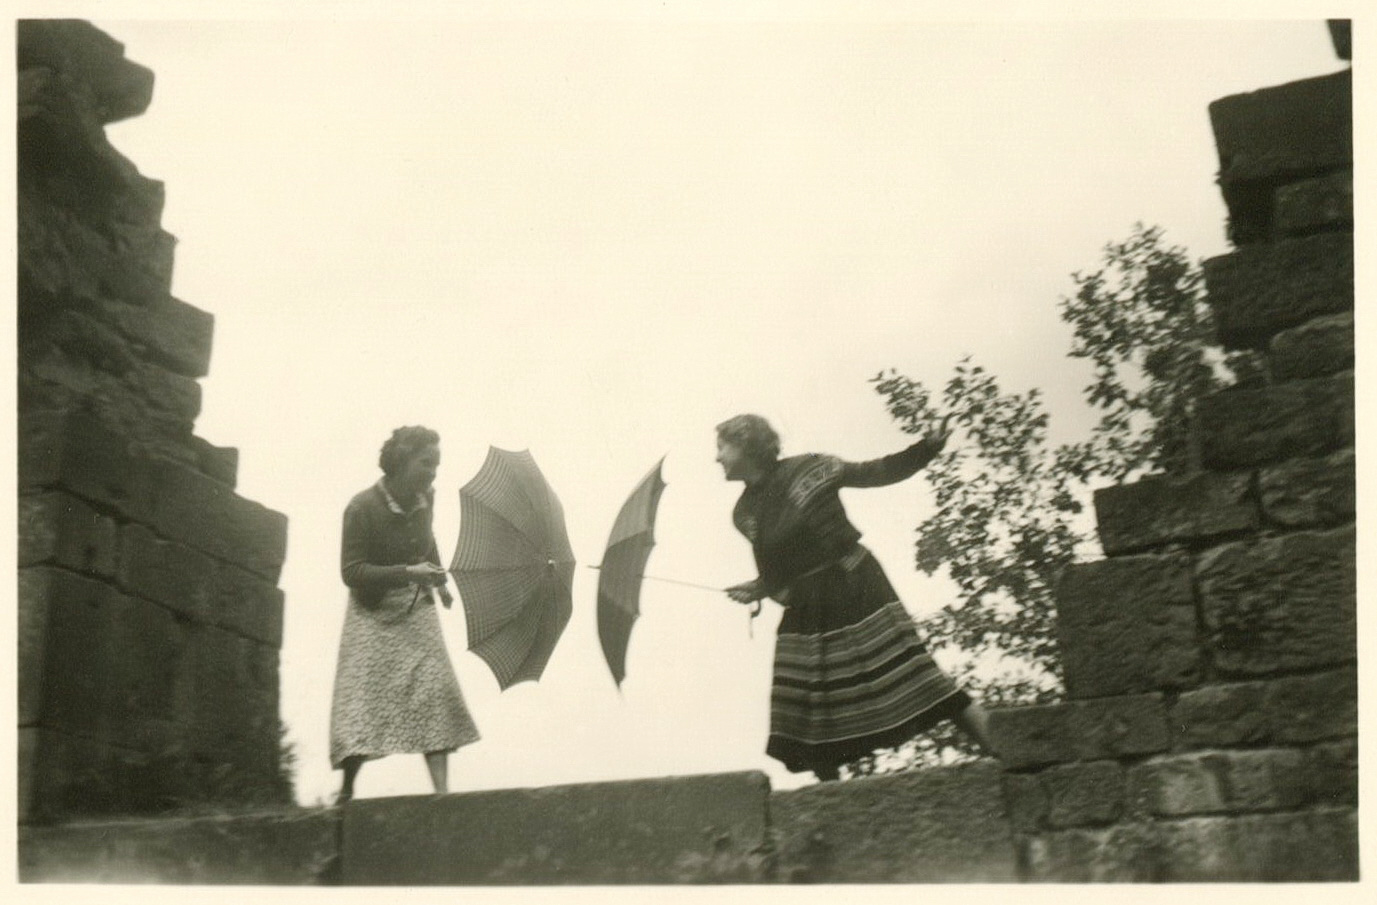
(585, 447)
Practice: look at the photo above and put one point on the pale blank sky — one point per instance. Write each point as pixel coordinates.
(598, 239)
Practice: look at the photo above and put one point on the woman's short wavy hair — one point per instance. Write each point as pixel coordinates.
(405, 444)
(753, 435)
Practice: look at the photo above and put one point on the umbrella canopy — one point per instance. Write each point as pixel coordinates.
(513, 566)
(623, 567)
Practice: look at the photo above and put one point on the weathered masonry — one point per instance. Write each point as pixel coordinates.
(1209, 731)
(149, 614)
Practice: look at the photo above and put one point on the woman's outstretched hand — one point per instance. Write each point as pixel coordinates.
(940, 434)
(746, 592)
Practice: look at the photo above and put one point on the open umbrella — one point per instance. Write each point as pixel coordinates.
(623, 567)
(513, 566)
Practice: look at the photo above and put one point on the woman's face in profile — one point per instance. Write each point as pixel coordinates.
(418, 474)
(732, 458)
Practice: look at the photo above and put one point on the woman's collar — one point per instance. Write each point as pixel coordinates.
(421, 500)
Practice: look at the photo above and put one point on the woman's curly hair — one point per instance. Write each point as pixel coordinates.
(753, 435)
(404, 444)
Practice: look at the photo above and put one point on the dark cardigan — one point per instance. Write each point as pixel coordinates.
(378, 543)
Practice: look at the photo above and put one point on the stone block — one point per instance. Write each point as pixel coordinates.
(168, 402)
(1034, 736)
(34, 593)
(1314, 349)
(1213, 782)
(1164, 510)
(1281, 604)
(1310, 708)
(65, 776)
(1331, 774)
(291, 848)
(1290, 710)
(231, 707)
(120, 88)
(1313, 205)
(1125, 853)
(145, 700)
(1258, 291)
(1244, 428)
(74, 453)
(689, 829)
(140, 270)
(1025, 798)
(167, 573)
(1310, 493)
(1088, 794)
(1120, 727)
(61, 775)
(1276, 135)
(68, 683)
(1341, 34)
(218, 462)
(59, 529)
(1301, 847)
(248, 605)
(947, 824)
(1127, 625)
(209, 516)
(1221, 716)
(1080, 730)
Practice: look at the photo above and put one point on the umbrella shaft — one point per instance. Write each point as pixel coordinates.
(687, 584)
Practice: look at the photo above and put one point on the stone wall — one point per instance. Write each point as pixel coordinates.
(1210, 731)
(149, 614)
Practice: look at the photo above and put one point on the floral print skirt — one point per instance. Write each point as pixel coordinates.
(395, 688)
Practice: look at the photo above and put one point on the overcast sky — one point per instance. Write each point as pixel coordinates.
(595, 239)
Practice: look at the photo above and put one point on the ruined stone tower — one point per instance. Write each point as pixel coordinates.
(149, 616)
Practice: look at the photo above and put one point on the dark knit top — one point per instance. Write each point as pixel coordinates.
(793, 516)
(380, 539)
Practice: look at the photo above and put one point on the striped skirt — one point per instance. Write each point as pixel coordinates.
(850, 672)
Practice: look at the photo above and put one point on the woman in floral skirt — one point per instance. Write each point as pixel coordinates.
(395, 689)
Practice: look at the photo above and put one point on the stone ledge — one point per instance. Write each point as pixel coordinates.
(943, 825)
(699, 829)
(279, 849)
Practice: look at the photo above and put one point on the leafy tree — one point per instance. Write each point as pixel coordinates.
(1011, 512)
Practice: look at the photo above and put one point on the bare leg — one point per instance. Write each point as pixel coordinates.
(352, 765)
(437, 762)
(975, 722)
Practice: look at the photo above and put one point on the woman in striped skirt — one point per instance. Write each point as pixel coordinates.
(850, 673)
